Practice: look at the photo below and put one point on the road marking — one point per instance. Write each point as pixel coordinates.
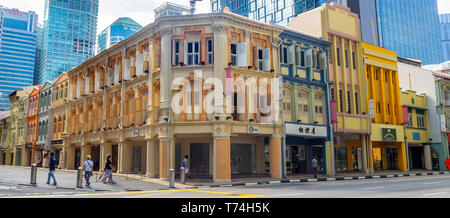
(361, 177)
(372, 188)
(274, 182)
(294, 180)
(331, 179)
(439, 193)
(430, 183)
(296, 194)
(251, 183)
(348, 178)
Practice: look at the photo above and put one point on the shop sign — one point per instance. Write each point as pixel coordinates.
(306, 130)
(443, 126)
(57, 142)
(253, 129)
(135, 133)
(29, 146)
(389, 135)
(416, 136)
(372, 108)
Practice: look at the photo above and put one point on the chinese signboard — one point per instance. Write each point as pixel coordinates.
(306, 130)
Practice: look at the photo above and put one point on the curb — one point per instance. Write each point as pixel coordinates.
(341, 178)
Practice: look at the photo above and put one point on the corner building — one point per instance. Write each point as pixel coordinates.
(348, 92)
(123, 101)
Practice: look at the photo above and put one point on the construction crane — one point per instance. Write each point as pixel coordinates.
(193, 5)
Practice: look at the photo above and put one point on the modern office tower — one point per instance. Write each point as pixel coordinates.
(69, 36)
(17, 51)
(170, 9)
(367, 12)
(37, 59)
(411, 29)
(445, 35)
(121, 29)
(278, 12)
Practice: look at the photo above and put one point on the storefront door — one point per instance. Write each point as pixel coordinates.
(199, 159)
(243, 159)
(115, 157)
(297, 159)
(416, 156)
(3, 158)
(77, 157)
(137, 155)
(391, 158)
(57, 156)
(95, 154)
(317, 152)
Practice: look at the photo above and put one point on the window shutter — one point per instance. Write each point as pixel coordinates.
(97, 81)
(322, 60)
(255, 58)
(309, 58)
(242, 54)
(111, 76)
(139, 64)
(126, 71)
(116, 74)
(291, 54)
(185, 52)
(78, 88)
(315, 61)
(266, 62)
(86, 85)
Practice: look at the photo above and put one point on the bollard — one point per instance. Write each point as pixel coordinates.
(33, 174)
(183, 175)
(171, 178)
(80, 177)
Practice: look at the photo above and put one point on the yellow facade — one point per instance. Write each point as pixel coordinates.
(387, 139)
(417, 128)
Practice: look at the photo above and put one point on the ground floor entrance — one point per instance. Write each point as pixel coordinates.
(389, 156)
(416, 157)
(299, 158)
(95, 157)
(77, 157)
(3, 159)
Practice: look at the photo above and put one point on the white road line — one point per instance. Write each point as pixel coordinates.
(331, 179)
(294, 180)
(361, 177)
(376, 177)
(285, 195)
(372, 188)
(348, 178)
(251, 183)
(430, 183)
(439, 193)
(274, 182)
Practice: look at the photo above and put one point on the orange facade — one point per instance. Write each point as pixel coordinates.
(32, 121)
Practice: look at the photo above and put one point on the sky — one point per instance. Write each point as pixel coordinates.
(139, 10)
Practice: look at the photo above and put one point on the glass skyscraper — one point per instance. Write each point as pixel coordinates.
(17, 51)
(69, 35)
(270, 11)
(445, 35)
(411, 28)
(121, 29)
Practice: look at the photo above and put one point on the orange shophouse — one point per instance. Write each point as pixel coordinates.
(32, 122)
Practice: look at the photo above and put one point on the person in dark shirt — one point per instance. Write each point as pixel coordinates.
(108, 169)
(51, 167)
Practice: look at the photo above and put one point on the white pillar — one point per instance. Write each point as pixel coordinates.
(427, 157)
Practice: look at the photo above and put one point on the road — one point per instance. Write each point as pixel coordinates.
(402, 187)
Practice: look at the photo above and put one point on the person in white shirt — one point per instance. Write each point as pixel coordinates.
(88, 167)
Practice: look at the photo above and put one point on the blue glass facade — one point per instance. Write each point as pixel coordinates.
(17, 52)
(116, 32)
(270, 11)
(445, 35)
(411, 28)
(69, 35)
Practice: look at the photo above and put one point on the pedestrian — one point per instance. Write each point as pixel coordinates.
(447, 163)
(315, 166)
(51, 167)
(184, 165)
(88, 167)
(108, 169)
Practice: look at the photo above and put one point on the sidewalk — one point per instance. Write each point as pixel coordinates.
(66, 179)
(310, 178)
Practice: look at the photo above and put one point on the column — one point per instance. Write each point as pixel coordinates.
(402, 157)
(275, 157)
(427, 157)
(163, 174)
(364, 152)
(152, 158)
(166, 57)
(329, 163)
(222, 160)
(125, 157)
(70, 157)
(260, 156)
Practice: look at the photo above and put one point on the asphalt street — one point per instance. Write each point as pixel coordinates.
(402, 187)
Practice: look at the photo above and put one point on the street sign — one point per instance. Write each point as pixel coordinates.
(443, 123)
(372, 108)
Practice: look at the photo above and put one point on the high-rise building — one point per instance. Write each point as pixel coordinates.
(17, 51)
(69, 35)
(367, 13)
(410, 28)
(278, 12)
(445, 35)
(121, 29)
(171, 9)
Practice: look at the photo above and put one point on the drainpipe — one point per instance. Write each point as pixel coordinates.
(170, 105)
(369, 163)
(283, 145)
(330, 125)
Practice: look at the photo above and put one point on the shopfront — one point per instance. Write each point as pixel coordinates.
(388, 147)
(303, 143)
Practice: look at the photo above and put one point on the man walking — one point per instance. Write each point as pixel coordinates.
(315, 166)
(51, 167)
(88, 166)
